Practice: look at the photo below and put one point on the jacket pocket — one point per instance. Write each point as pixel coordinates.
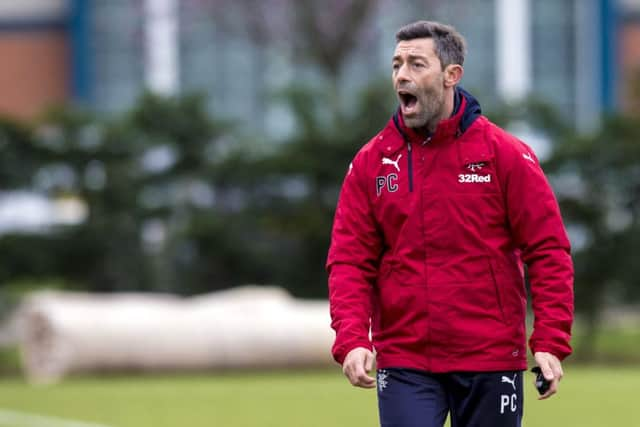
(500, 298)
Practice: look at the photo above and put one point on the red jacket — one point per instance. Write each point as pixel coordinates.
(427, 248)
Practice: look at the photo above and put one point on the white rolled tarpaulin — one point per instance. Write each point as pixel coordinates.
(247, 327)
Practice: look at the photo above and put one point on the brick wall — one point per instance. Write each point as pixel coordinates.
(629, 55)
(34, 71)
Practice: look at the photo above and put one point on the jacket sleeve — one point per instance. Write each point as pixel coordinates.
(352, 265)
(538, 231)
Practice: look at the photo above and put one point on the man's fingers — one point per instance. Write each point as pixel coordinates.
(549, 365)
(551, 368)
(351, 372)
(553, 388)
(365, 381)
(368, 362)
(557, 371)
(545, 366)
(556, 368)
(357, 363)
(359, 378)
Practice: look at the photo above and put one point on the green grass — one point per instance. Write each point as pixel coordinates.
(619, 344)
(589, 397)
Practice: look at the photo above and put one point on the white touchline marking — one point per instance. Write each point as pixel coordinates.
(23, 419)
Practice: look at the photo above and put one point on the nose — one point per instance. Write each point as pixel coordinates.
(402, 74)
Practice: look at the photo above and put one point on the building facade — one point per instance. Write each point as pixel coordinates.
(104, 53)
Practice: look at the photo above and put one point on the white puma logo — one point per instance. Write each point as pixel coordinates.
(527, 156)
(510, 381)
(388, 161)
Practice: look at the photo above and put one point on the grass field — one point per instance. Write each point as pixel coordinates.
(589, 397)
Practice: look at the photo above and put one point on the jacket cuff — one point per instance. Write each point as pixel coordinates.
(340, 352)
(561, 351)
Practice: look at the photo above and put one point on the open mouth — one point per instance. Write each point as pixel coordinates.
(407, 100)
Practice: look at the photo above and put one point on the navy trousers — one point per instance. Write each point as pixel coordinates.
(410, 398)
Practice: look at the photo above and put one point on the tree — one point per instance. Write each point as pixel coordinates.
(134, 174)
(598, 183)
(322, 33)
(292, 193)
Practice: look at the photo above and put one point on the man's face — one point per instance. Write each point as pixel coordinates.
(418, 80)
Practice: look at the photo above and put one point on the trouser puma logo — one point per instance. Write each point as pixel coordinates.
(510, 381)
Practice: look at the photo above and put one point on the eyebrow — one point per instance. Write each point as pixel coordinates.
(411, 57)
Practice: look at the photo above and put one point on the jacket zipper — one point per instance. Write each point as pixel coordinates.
(410, 166)
(409, 159)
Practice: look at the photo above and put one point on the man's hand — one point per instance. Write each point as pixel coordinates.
(357, 364)
(551, 369)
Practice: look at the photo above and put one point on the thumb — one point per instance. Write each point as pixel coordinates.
(368, 362)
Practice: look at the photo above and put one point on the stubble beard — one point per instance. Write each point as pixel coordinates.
(432, 101)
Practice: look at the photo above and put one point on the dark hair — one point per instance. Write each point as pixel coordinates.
(449, 44)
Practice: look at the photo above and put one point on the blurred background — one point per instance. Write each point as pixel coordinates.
(155, 151)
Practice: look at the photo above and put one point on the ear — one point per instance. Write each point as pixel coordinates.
(452, 75)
